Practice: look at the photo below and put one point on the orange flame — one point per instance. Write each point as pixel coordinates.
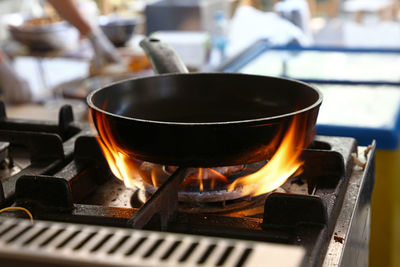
(204, 178)
(122, 166)
(201, 188)
(154, 178)
(283, 164)
(217, 176)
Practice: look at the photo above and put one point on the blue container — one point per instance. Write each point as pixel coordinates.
(360, 86)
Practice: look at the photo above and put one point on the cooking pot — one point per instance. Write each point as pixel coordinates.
(202, 119)
(41, 34)
(118, 30)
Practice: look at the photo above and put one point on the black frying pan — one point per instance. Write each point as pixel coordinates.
(203, 119)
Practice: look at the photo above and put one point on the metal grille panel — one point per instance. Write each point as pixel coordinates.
(74, 244)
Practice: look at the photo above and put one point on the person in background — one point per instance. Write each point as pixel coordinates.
(16, 89)
(104, 51)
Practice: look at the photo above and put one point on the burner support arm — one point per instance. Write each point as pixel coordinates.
(164, 202)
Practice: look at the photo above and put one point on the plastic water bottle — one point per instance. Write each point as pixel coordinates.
(219, 38)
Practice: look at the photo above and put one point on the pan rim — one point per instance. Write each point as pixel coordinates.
(315, 104)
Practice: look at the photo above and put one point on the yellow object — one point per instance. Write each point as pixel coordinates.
(385, 207)
(19, 208)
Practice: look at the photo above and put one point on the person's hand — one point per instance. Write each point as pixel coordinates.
(104, 50)
(15, 89)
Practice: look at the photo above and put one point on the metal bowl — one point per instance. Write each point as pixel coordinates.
(118, 30)
(41, 34)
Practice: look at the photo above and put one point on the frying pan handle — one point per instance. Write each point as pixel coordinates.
(162, 57)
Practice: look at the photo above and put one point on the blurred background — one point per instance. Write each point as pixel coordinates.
(207, 34)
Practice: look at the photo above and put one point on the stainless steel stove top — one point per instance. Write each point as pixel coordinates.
(83, 216)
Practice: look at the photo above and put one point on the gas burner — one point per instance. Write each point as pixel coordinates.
(221, 201)
(201, 185)
(245, 205)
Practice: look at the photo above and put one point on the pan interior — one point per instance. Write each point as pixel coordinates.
(203, 98)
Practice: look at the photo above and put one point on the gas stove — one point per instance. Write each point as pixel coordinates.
(84, 216)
